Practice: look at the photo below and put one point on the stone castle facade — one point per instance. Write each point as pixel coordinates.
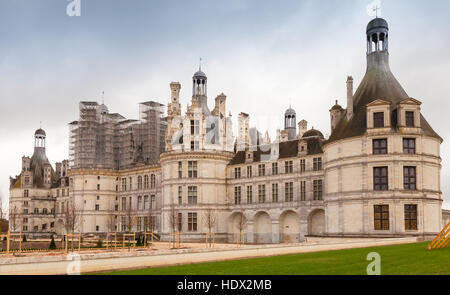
(377, 175)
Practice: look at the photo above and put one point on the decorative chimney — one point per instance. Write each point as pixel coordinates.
(349, 97)
(302, 128)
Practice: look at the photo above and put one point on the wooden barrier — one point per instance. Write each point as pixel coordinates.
(441, 240)
(11, 236)
(129, 235)
(151, 234)
(66, 239)
(176, 238)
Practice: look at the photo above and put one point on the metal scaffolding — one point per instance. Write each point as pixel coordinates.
(110, 141)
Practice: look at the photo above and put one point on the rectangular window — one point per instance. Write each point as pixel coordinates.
(192, 169)
(317, 164)
(180, 169)
(146, 181)
(261, 193)
(274, 168)
(288, 167)
(274, 192)
(152, 181)
(195, 127)
(379, 146)
(381, 217)
(410, 217)
(180, 195)
(192, 195)
(192, 221)
(180, 222)
(25, 193)
(289, 192)
(249, 194)
(409, 146)
(318, 189)
(124, 203)
(152, 202)
(378, 120)
(409, 116)
(139, 182)
(123, 223)
(139, 203)
(131, 183)
(249, 171)
(302, 190)
(146, 203)
(97, 207)
(237, 172)
(124, 184)
(409, 178)
(302, 165)
(380, 178)
(261, 170)
(139, 223)
(237, 195)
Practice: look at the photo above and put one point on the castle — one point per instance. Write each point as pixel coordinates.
(377, 175)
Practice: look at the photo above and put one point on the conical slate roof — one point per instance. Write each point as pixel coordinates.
(378, 83)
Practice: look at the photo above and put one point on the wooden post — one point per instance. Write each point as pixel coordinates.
(7, 242)
(79, 241)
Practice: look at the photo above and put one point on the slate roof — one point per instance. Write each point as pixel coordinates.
(288, 149)
(378, 83)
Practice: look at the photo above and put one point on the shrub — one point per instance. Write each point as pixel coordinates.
(52, 245)
(99, 243)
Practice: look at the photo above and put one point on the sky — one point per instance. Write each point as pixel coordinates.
(264, 55)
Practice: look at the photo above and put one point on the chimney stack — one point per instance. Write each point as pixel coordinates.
(349, 97)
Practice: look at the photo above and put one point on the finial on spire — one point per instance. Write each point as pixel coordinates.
(376, 8)
(200, 64)
(103, 97)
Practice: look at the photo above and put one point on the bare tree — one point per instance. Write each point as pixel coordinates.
(209, 219)
(13, 218)
(111, 222)
(3, 211)
(173, 221)
(131, 217)
(71, 217)
(148, 220)
(240, 225)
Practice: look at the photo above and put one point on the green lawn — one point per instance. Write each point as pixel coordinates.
(410, 259)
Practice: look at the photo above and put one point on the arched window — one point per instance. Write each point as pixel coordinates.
(146, 181)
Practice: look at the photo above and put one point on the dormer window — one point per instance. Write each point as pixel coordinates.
(409, 116)
(378, 120)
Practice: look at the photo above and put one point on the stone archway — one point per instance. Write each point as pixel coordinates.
(262, 228)
(289, 227)
(316, 222)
